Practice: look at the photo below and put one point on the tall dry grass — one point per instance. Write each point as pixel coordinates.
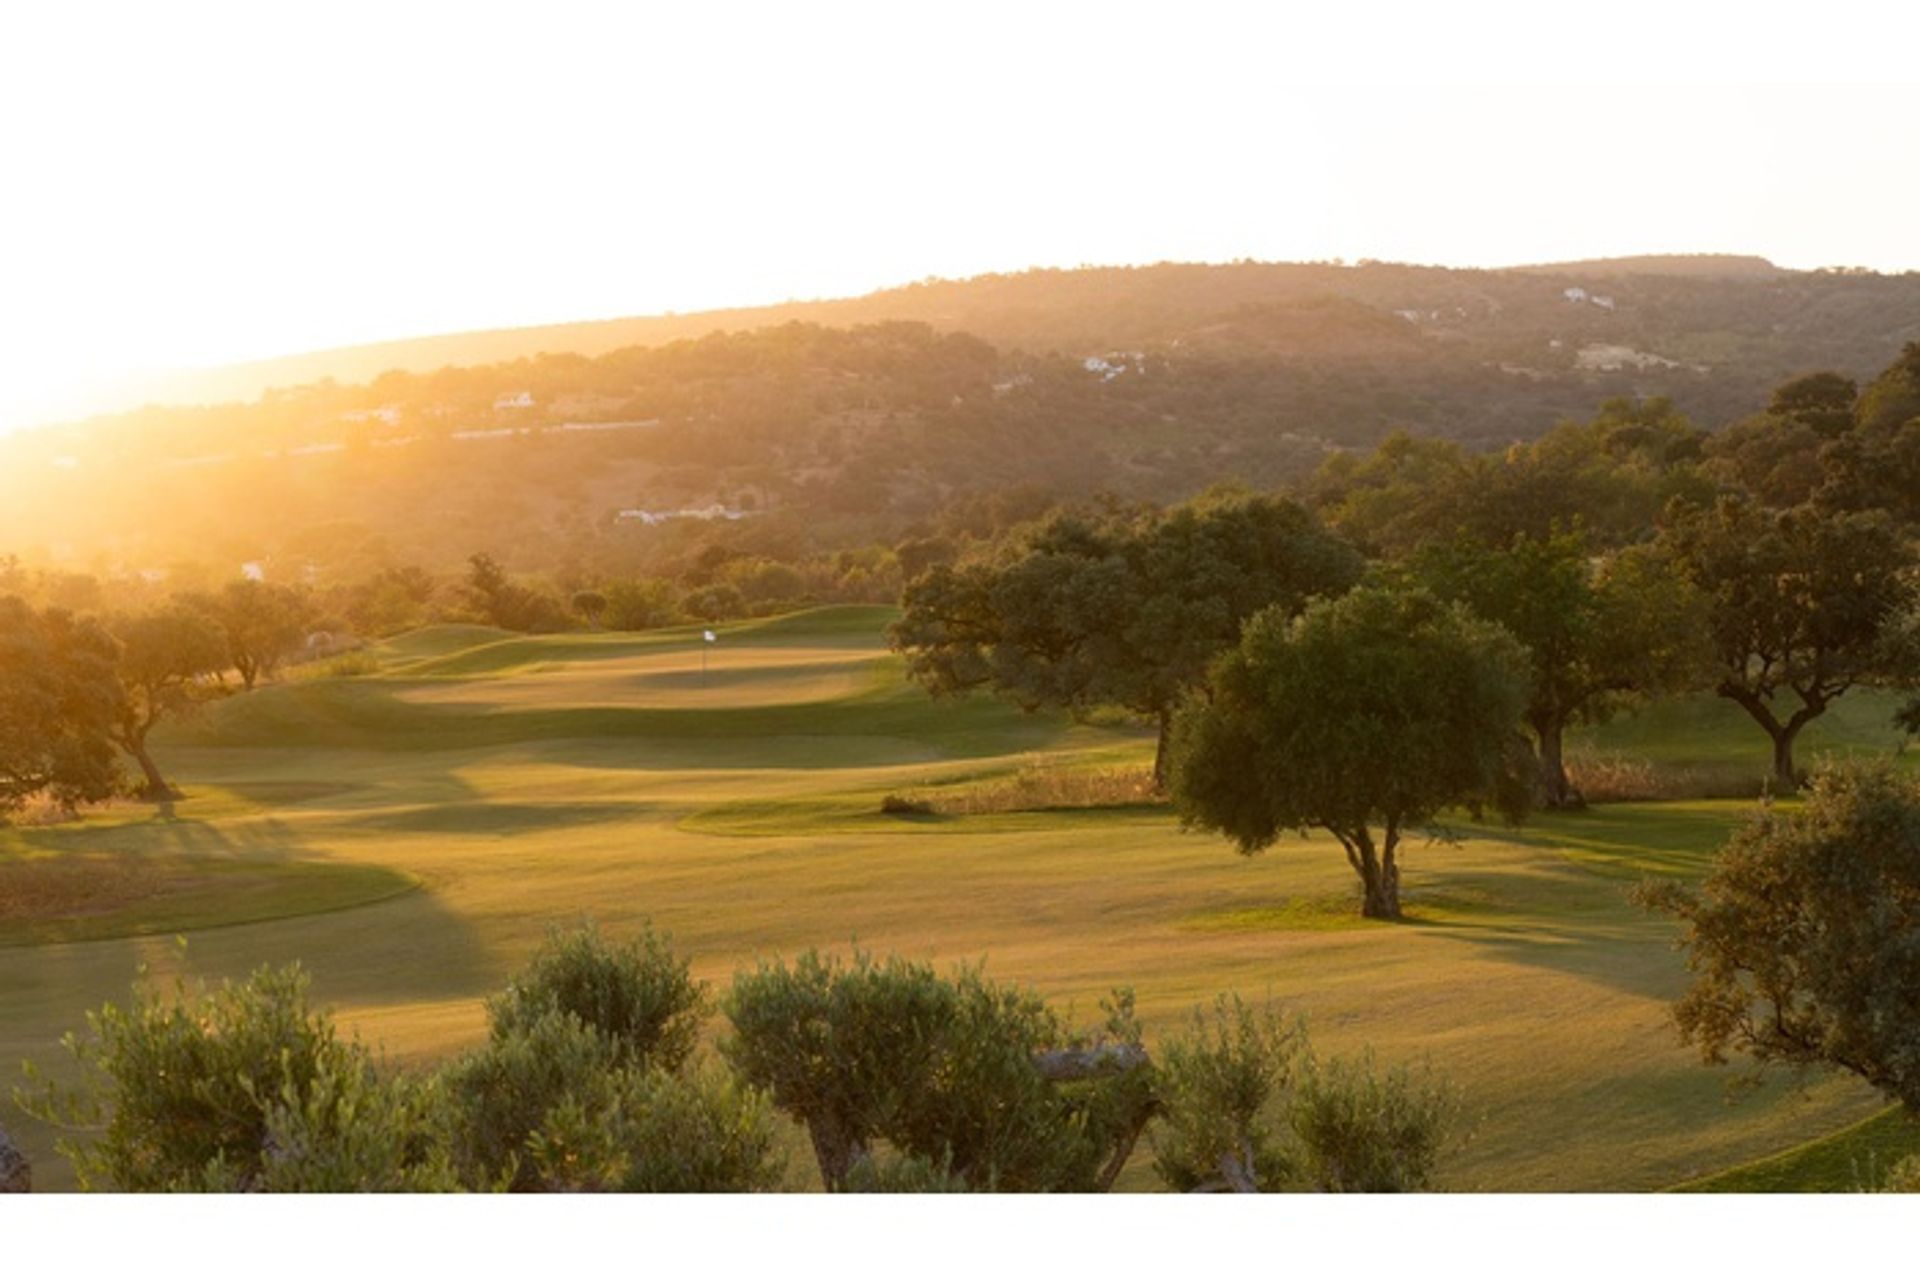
(1037, 785)
(1623, 779)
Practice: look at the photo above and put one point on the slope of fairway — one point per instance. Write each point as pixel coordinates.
(528, 782)
(1858, 1157)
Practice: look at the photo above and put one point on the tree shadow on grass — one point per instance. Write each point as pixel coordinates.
(1554, 915)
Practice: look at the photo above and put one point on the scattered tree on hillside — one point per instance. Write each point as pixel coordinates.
(1370, 712)
(263, 623)
(1804, 938)
(1800, 602)
(505, 603)
(590, 604)
(59, 702)
(168, 659)
(1129, 612)
(1595, 631)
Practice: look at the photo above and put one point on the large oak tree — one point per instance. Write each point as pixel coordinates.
(1803, 605)
(1597, 629)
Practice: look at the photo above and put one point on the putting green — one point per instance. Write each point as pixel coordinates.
(528, 782)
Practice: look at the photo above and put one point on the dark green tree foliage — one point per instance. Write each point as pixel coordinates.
(501, 601)
(1802, 605)
(637, 995)
(1823, 402)
(1370, 712)
(1804, 938)
(1115, 610)
(1611, 475)
(59, 703)
(1876, 466)
(1595, 631)
(243, 1086)
(941, 1069)
(169, 659)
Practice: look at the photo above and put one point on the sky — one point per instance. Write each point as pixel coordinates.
(193, 184)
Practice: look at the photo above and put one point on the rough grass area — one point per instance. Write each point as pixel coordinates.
(1041, 784)
(527, 782)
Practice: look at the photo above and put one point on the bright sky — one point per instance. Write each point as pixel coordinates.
(196, 183)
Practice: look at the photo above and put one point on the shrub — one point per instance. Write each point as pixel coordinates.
(357, 1131)
(499, 1097)
(664, 1134)
(552, 1105)
(1363, 1131)
(940, 1069)
(1804, 937)
(1223, 1092)
(902, 1175)
(637, 995)
(239, 1087)
(904, 805)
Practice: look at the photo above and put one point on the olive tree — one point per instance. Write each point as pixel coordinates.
(1369, 713)
(981, 1082)
(1804, 937)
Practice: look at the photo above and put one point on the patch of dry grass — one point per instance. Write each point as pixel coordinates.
(1039, 785)
(1619, 778)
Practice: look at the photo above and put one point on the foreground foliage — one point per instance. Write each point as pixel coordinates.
(907, 1081)
(1804, 940)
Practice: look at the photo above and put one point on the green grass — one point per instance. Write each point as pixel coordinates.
(1855, 1158)
(527, 782)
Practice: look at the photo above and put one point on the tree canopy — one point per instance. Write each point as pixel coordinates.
(1802, 605)
(1596, 630)
(59, 702)
(1116, 609)
(1373, 711)
(1804, 938)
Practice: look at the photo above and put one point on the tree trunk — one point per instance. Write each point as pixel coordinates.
(1557, 791)
(1160, 762)
(835, 1148)
(156, 788)
(1781, 734)
(1379, 881)
(1784, 775)
(16, 1174)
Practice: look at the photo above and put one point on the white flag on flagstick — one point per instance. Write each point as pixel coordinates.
(709, 636)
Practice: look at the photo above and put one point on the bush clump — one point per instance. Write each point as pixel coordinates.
(637, 995)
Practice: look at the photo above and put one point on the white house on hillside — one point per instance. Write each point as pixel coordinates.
(520, 399)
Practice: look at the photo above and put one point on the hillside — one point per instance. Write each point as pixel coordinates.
(1798, 320)
(824, 425)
